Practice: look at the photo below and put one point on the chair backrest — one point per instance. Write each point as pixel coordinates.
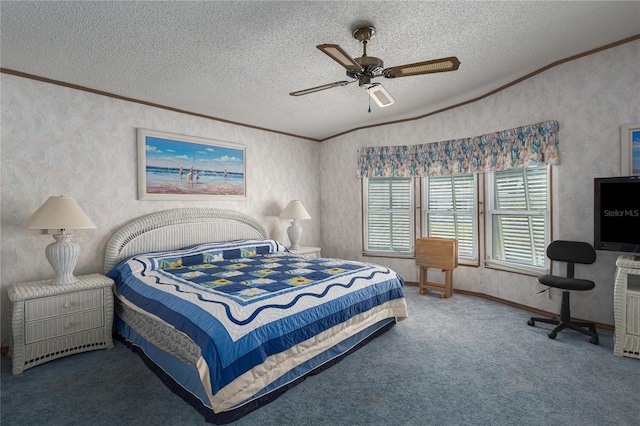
(571, 252)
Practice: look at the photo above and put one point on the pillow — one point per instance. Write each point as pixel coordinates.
(214, 252)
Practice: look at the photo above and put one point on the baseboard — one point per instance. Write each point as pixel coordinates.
(519, 306)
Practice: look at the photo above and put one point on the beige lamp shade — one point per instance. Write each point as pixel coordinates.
(59, 212)
(295, 210)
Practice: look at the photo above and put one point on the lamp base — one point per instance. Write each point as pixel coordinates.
(63, 256)
(295, 233)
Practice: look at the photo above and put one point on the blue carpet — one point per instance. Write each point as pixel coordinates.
(457, 361)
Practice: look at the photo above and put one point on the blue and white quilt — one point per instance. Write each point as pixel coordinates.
(256, 311)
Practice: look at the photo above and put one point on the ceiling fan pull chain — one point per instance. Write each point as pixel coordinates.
(369, 99)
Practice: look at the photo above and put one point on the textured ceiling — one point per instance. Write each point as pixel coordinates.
(237, 61)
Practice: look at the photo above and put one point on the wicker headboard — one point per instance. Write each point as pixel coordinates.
(173, 229)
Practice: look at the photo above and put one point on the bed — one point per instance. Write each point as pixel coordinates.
(228, 318)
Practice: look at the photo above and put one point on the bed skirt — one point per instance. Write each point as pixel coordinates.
(182, 377)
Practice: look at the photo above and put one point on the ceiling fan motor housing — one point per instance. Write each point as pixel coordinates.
(372, 67)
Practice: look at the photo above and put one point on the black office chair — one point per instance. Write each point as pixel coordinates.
(571, 252)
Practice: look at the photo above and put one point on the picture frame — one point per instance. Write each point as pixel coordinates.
(180, 167)
(630, 150)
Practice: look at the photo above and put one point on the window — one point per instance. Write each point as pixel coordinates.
(516, 223)
(450, 211)
(388, 216)
(518, 218)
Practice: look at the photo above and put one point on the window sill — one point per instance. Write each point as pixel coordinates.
(461, 262)
(515, 269)
(389, 254)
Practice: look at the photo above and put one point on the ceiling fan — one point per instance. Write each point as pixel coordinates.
(366, 68)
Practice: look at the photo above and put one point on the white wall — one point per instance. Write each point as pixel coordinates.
(60, 141)
(590, 98)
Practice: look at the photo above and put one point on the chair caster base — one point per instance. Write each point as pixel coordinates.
(583, 327)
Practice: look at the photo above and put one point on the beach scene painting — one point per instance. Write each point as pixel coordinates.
(635, 152)
(630, 149)
(178, 167)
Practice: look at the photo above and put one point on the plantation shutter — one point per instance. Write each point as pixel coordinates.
(519, 215)
(451, 211)
(389, 215)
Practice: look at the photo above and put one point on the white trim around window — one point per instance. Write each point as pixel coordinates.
(518, 219)
(450, 210)
(388, 205)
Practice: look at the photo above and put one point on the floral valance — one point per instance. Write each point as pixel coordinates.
(534, 144)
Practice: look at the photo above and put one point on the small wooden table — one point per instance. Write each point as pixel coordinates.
(439, 253)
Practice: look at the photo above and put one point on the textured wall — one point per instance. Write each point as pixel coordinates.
(590, 98)
(59, 141)
(62, 141)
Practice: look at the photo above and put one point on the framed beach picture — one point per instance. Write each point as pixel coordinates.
(630, 149)
(178, 167)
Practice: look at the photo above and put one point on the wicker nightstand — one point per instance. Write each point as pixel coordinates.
(313, 252)
(626, 307)
(51, 321)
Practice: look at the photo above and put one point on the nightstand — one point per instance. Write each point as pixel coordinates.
(51, 321)
(312, 252)
(626, 307)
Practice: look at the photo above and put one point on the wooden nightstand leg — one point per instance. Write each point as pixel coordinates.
(423, 280)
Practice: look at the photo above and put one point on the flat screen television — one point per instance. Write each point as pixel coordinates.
(617, 214)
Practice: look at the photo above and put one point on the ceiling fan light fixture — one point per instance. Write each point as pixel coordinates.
(337, 54)
(380, 95)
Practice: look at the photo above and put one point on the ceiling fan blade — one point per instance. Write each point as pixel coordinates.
(336, 53)
(427, 67)
(319, 88)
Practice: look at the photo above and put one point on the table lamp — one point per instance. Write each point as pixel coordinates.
(296, 211)
(61, 213)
